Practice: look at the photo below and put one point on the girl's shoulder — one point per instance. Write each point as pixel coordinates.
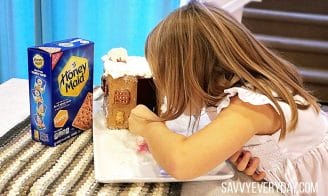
(308, 119)
(248, 95)
(245, 94)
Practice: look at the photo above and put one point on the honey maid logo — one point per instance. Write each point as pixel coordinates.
(74, 76)
(38, 61)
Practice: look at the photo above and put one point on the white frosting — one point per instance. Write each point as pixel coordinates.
(134, 66)
(119, 147)
(117, 54)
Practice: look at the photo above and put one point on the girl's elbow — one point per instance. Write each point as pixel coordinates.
(181, 175)
(180, 170)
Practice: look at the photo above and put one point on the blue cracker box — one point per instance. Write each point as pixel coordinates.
(60, 87)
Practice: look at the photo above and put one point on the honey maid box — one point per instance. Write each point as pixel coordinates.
(60, 88)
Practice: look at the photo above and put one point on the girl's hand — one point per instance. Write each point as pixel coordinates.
(139, 118)
(247, 164)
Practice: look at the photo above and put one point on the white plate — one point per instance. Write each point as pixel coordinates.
(117, 160)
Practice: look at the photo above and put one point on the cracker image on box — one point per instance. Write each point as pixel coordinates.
(126, 82)
(61, 85)
(61, 118)
(83, 119)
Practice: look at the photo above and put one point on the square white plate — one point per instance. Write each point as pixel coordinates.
(116, 159)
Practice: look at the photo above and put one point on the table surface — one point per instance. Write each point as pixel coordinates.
(14, 103)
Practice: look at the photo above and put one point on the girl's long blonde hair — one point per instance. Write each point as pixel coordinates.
(200, 50)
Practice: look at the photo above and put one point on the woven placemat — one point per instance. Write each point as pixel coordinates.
(30, 168)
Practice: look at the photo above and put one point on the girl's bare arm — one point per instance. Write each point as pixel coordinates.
(189, 157)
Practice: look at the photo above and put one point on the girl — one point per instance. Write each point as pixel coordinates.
(209, 66)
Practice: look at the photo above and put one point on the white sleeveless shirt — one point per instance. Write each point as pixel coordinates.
(301, 157)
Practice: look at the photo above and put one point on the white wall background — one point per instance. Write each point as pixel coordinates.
(234, 7)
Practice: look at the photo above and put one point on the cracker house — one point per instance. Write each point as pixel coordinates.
(126, 82)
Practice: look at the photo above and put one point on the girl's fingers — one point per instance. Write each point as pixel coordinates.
(258, 176)
(143, 112)
(252, 166)
(242, 164)
(247, 164)
(233, 159)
